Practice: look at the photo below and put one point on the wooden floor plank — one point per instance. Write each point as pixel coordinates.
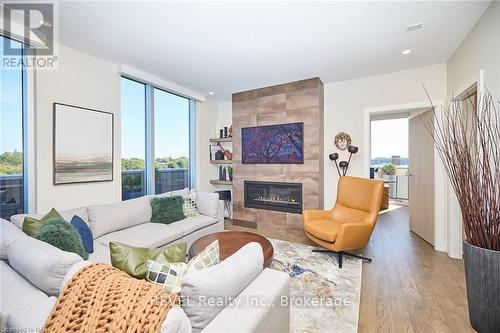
(408, 287)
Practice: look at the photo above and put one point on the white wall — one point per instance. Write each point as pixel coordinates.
(81, 80)
(210, 117)
(477, 58)
(346, 101)
(480, 50)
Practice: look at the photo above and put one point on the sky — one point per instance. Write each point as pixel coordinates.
(389, 137)
(171, 122)
(11, 106)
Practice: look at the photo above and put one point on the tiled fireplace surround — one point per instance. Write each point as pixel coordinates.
(300, 101)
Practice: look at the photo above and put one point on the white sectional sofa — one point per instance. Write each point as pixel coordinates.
(32, 273)
(128, 222)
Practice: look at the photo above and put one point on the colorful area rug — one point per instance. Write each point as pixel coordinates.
(324, 298)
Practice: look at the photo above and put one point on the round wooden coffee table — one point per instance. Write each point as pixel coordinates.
(232, 241)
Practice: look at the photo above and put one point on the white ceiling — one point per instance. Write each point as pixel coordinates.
(226, 47)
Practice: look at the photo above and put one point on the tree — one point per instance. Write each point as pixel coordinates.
(11, 163)
(133, 163)
(388, 169)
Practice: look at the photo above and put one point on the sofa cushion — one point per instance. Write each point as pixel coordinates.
(190, 206)
(132, 260)
(100, 254)
(84, 232)
(31, 317)
(209, 256)
(176, 321)
(16, 292)
(167, 275)
(182, 193)
(66, 214)
(40, 263)
(191, 224)
(8, 233)
(117, 216)
(222, 281)
(143, 235)
(208, 204)
(62, 235)
(73, 270)
(167, 210)
(32, 226)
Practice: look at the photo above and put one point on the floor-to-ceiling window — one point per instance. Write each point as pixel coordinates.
(156, 136)
(133, 132)
(12, 171)
(171, 124)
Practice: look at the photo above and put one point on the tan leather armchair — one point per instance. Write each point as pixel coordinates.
(350, 223)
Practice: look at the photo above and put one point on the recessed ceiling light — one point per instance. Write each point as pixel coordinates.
(414, 27)
(210, 92)
(405, 52)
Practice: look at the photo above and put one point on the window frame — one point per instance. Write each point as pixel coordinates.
(27, 131)
(149, 162)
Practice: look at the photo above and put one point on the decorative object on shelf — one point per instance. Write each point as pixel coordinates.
(221, 133)
(273, 144)
(227, 153)
(225, 131)
(212, 149)
(469, 149)
(83, 145)
(342, 141)
(230, 173)
(219, 155)
(344, 165)
(230, 131)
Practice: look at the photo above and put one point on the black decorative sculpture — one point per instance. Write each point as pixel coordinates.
(344, 165)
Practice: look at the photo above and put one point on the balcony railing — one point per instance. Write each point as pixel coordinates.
(166, 180)
(12, 196)
(398, 183)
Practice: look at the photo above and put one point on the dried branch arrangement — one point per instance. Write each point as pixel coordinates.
(467, 136)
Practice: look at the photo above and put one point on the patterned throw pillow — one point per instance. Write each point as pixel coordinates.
(206, 258)
(167, 275)
(190, 206)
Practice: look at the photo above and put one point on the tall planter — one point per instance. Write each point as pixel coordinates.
(482, 275)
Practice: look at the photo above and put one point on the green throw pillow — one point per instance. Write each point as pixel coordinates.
(132, 260)
(32, 226)
(167, 210)
(62, 235)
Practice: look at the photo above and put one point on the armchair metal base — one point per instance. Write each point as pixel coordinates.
(343, 253)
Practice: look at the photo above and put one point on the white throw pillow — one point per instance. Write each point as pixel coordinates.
(8, 233)
(105, 219)
(208, 204)
(44, 265)
(220, 282)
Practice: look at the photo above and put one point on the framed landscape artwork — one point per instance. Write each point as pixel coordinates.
(83, 145)
(273, 144)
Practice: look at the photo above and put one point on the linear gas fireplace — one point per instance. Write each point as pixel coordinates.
(283, 197)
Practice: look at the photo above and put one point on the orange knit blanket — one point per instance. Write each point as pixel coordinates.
(101, 298)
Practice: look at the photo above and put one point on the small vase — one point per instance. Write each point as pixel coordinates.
(482, 277)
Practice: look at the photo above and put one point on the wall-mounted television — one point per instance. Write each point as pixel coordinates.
(273, 144)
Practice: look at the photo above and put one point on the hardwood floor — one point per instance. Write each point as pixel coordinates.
(408, 287)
